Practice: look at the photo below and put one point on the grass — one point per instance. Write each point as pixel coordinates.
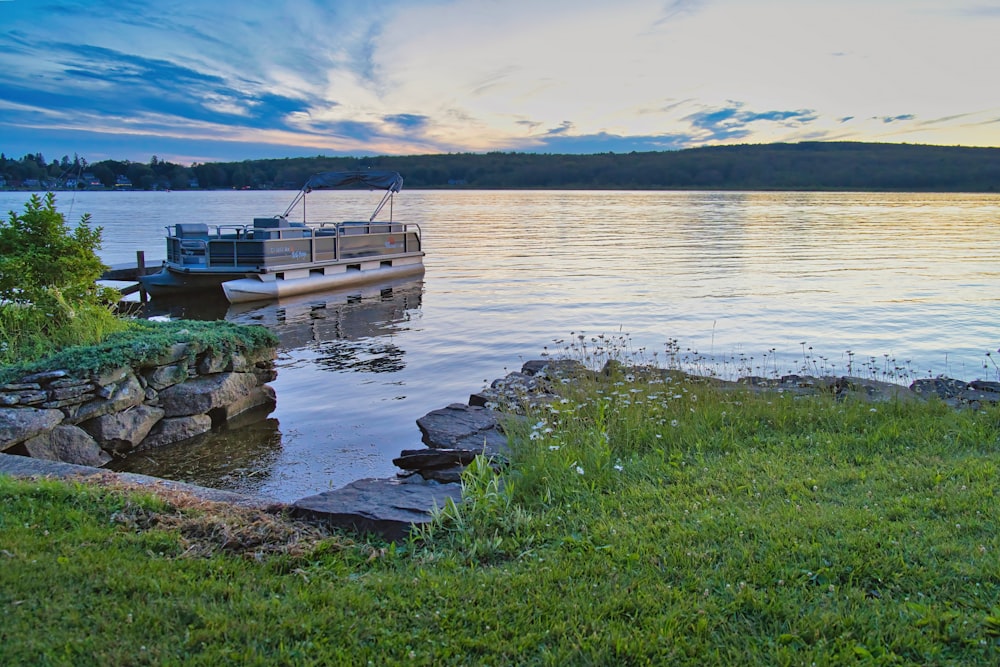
(28, 333)
(133, 342)
(646, 518)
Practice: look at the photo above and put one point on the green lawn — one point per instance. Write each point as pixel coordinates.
(641, 522)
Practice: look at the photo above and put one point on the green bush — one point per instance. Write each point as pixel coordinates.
(39, 255)
(49, 296)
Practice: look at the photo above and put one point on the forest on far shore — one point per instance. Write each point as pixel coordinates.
(803, 166)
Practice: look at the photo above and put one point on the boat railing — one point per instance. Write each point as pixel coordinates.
(224, 231)
(196, 245)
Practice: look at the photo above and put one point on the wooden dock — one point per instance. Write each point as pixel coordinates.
(130, 273)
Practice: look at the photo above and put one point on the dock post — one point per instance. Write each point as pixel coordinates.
(140, 271)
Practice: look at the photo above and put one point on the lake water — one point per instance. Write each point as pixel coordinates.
(896, 285)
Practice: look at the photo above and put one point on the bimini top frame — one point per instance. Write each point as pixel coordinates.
(390, 181)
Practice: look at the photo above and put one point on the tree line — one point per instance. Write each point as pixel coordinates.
(800, 166)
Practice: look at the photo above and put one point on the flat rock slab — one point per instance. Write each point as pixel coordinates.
(433, 459)
(385, 507)
(461, 426)
(20, 424)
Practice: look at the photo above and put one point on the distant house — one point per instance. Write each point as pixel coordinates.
(31, 183)
(193, 184)
(123, 183)
(91, 181)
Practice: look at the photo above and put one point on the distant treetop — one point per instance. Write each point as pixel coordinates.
(801, 166)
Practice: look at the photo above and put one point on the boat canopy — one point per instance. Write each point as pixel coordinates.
(377, 180)
(390, 181)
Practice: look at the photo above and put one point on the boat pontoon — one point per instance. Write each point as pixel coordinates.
(275, 257)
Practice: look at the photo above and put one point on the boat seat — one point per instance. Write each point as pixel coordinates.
(276, 222)
(191, 230)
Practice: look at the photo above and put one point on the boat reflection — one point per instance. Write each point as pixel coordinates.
(345, 331)
(350, 330)
(352, 313)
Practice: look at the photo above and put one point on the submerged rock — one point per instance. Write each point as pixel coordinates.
(174, 429)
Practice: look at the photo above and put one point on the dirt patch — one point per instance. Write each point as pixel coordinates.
(207, 527)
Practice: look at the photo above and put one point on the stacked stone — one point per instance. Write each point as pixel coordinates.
(175, 396)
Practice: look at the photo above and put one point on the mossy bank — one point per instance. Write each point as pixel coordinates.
(153, 384)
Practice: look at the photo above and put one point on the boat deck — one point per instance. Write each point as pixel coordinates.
(264, 247)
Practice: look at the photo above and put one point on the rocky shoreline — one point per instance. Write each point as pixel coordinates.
(456, 434)
(172, 396)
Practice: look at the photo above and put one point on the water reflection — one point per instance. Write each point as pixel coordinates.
(343, 331)
(238, 456)
(348, 326)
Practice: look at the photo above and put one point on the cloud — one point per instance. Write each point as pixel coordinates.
(362, 55)
(988, 11)
(945, 119)
(895, 119)
(115, 84)
(492, 80)
(675, 9)
(408, 121)
(458, 75)
(601, 142)
(735, 122)
(563, 128)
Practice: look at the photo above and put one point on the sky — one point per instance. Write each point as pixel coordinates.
(218, 80)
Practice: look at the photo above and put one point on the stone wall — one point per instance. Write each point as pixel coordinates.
(89, 420)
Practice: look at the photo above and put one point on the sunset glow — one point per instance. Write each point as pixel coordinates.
(229, 81)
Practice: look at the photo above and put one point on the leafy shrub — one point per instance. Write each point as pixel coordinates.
(49, 297)
(40, 255)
